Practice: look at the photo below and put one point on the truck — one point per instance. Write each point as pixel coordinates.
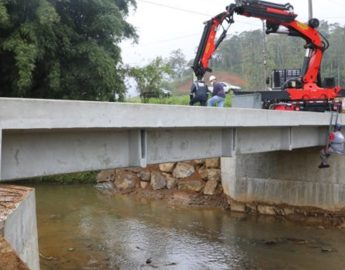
(304, 91)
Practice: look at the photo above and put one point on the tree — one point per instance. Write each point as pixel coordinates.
(150, 78)
(62, 48)
(177, 62)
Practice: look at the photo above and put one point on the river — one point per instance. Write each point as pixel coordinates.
(81, 228)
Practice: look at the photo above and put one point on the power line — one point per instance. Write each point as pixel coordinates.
(175, 8)
(185, 10)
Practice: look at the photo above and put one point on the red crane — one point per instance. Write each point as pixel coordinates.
(303, 93)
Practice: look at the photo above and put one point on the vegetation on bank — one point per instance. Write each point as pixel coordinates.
(173, 100)
(67, 179)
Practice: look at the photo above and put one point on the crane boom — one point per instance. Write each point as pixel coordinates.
(276, 16)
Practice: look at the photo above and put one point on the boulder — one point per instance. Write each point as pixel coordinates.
(212, 163)
(191, 185)
(158, 181)
(144, 184)
(266, 210)
(106, 176)
(211, 187)
(203, 172)
(125, 181)
(214, 175)
(171, 181)
(105, 186)
(183, 170)
(167, 167)
(144, 175)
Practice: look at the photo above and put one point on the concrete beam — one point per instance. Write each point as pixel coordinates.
(256, 140)
(28, 154)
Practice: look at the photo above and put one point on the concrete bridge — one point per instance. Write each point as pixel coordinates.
(268, 156)
(47, 137)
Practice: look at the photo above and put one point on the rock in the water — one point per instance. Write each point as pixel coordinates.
(105, 186)
(105, 176)
(125, 181)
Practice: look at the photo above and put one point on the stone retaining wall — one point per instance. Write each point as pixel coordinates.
(198, 176)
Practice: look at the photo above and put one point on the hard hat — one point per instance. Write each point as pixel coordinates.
(337, 127)
(212, 78)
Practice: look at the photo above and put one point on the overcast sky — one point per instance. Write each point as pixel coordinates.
(167, 25)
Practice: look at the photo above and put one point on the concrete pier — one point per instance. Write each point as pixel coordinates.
(18, 228)
(285, 178)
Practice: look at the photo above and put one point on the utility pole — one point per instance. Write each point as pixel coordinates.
(264, 53)
(310, 9)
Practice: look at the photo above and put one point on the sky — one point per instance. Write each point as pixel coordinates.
(164, 26)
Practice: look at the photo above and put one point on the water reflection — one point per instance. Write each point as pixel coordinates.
(79, 228)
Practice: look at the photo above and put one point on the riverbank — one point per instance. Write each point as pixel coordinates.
(198, 183)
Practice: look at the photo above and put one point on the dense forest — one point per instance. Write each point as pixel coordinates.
(246, 54)
(63, 49)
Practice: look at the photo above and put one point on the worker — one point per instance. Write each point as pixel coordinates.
(218, 93)
(199, 93)
(335, 146)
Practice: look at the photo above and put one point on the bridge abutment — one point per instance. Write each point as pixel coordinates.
(18, 227)
(284, 178)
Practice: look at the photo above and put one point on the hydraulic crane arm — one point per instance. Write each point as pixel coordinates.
(275, 15)
(208, 43)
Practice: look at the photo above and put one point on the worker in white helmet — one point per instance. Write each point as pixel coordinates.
(218, 94)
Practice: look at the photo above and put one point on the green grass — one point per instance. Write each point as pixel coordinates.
(66, 179)
(174, 100)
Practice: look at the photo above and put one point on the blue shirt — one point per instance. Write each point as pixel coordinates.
(218, 90)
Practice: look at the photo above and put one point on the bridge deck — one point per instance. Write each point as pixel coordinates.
(45, 137)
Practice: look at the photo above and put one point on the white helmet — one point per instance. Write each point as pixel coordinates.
(212, 78)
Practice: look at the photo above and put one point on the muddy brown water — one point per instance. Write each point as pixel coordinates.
(81, 228)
